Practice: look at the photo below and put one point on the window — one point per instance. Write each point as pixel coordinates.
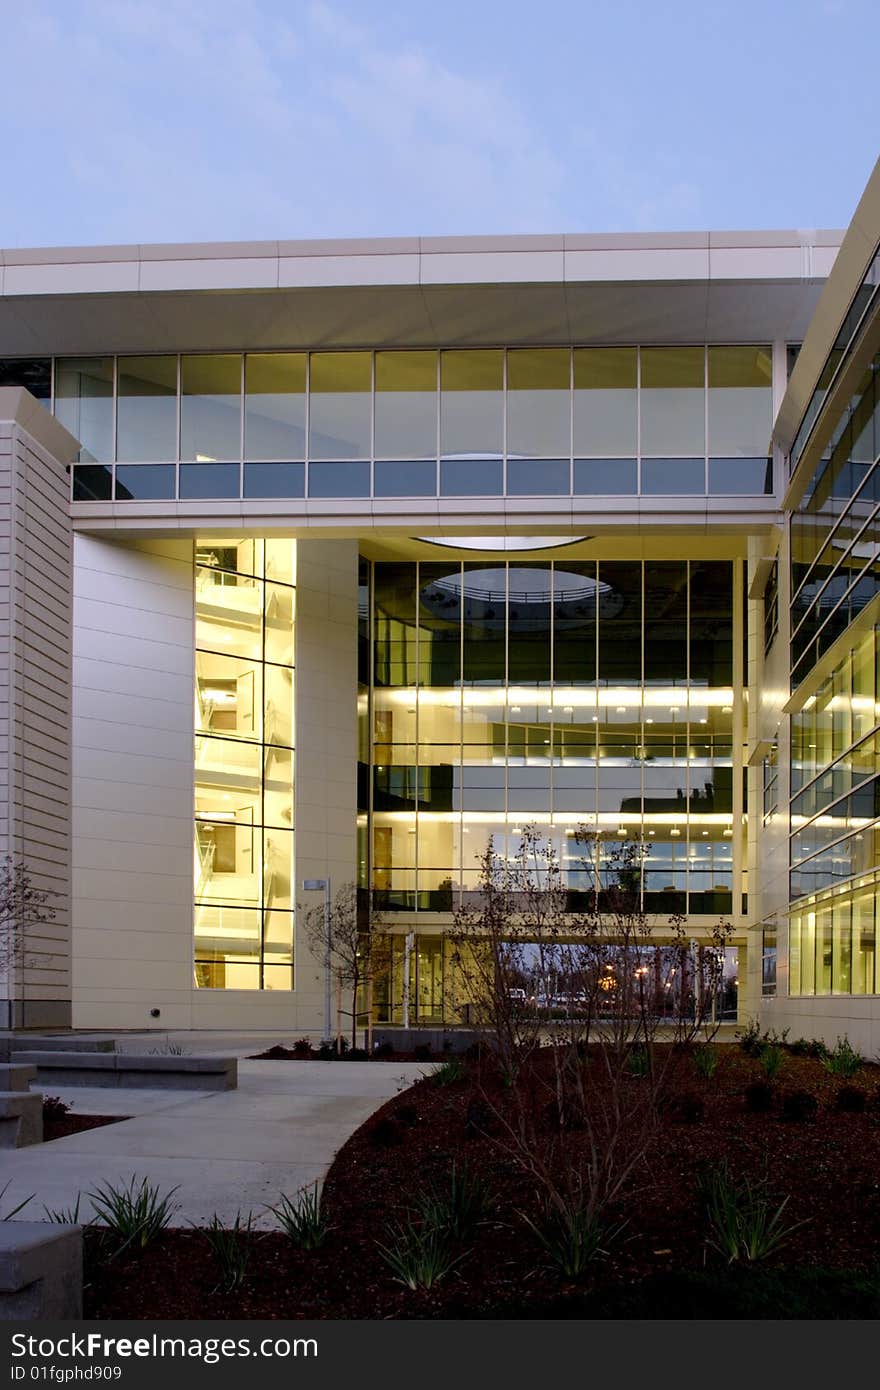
(339, 422)
(146, 409)
(84, 404)
(210, 415)
(275, 406)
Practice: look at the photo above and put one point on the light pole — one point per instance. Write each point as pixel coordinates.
(315, 885)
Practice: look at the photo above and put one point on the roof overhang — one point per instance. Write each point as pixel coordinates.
(420, 292)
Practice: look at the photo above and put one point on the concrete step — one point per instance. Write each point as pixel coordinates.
(17, 1076)
(59, 1042)
(21, 1119)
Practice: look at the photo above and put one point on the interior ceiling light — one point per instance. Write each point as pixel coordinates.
(503, 542)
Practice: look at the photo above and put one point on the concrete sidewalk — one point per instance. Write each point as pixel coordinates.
(227, 1151)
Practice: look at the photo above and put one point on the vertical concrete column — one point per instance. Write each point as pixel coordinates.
(35, 699)
(325, 819)
(133, 783)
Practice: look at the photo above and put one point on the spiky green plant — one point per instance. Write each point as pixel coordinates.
(303, 1218)
(418, 1255)
(231, 1250)
(458, 1206)
(571, 1236)
(135, 1213)
(744, 1223)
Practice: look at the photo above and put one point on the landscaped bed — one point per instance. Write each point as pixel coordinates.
(59, 1120)
(661, 1264)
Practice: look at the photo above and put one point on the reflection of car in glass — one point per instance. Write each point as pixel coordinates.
(517, 995)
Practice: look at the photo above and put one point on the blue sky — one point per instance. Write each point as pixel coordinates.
(178, 120)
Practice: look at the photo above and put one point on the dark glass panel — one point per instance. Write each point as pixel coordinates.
(410, 479)
(145, 482)
(620, 622)
(364, 622)
(673, 477)
(576, 605)
(394, 632)
(606, 477)
(92, 483)
(339, 479)
(666, 583)
(741, 477)
(274, 479)
(33, 373)
(209, 480)
(483, 617)
(538, 477)
(440, 616)
(471, 477)
(530, 622)
(711, 623)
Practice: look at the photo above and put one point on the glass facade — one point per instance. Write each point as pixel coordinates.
(835, 665)
(836, 531)
(244, 721)
(862, 304)
(556, 693)
(462, 422)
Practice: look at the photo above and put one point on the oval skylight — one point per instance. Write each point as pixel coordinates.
(502, 543)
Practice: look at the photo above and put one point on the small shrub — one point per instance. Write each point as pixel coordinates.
(852, 1100)
(231, 1250)
(449, 1072)
(457, 1208)
(750, 1038)
(386, 1133)
(571, 1236)
(358, 1054)
(136, 1213)
(743, 1224)
(843, 1060)
(422, 1052)
(54, 1109)
(753, 1042)
(706, 1061)
(638, 1063)
(302, 1047)
(419, 1256)
(759, 1097)
(303, 1218)
(799, 1105)
(808, 1047)
(771, 1060)
(384, 1050)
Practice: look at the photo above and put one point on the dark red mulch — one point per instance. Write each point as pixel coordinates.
(828, 1167)
(279, 1053)
(77, 1124)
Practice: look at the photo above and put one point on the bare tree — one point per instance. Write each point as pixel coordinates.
(355, 949)
(616, 999)
(23, 906)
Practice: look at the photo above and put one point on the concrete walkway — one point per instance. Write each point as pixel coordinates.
(227, 1151)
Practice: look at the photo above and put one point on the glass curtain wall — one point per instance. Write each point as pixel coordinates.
(836, 531)
(244, 711)
(555, 693)
(460, 422)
